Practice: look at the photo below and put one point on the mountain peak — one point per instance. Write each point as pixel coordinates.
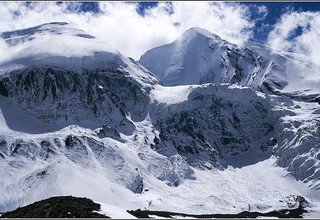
(52, 43)
(199, 56)
(196, 31)
(53, 28)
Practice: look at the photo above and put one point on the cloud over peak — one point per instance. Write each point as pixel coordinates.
(122, 26)
(297, 32)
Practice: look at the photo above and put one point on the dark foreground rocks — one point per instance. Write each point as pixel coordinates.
(58, 207)
(285, 213)
(75, 207)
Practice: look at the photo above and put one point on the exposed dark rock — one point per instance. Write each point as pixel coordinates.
(58, 207)
(85, 36)
(77, 150)
(103, 95)
(270, 143)
(107, 131)
(210, 126)
(137, 185)
(42, 174)
(70, 141)
(16, 148)
(283, 213)
(3, 89)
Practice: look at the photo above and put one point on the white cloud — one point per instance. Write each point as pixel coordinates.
(122, 26)
(4, 48)
(284, 37)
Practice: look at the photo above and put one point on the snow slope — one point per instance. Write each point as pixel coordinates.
(58, 44)
(96, 124)
(76, 161)
(298, 146)
(30, 177)
(199, 56)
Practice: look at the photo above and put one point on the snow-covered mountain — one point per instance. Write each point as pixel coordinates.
(199, 56)
(78, 118)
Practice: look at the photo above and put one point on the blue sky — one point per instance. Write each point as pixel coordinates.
(275, 10)
(262, 28)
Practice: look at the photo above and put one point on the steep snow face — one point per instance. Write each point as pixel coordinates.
(301, 74)
(199, 56)
(298, 138)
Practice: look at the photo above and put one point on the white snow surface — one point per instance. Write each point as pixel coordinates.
(170, 95)
(114, 212)
(199, 56)
(255, 187)
(57, 39)
(35, 166)
(59, 44)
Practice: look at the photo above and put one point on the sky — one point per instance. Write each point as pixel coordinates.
(135, 27)
(263, 26)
